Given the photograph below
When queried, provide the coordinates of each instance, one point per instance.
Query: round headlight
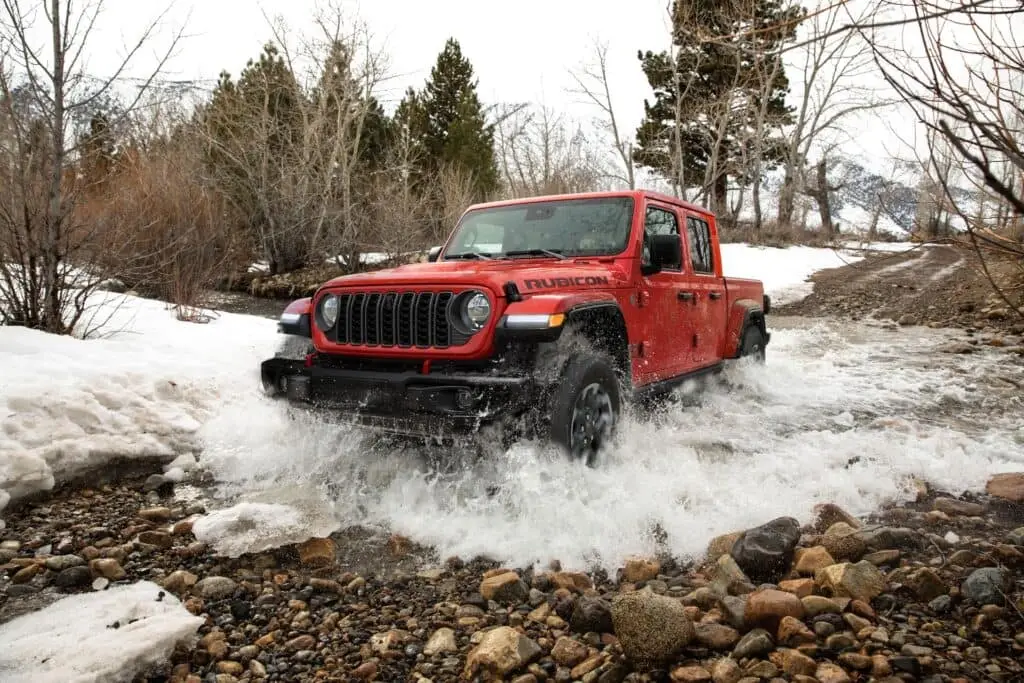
(329, 307)
(478, 309)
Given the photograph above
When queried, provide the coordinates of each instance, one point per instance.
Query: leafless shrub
(46, 99)
(541, 153)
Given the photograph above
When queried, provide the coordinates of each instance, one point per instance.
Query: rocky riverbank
(931, 590)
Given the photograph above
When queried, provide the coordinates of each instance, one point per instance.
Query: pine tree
(448, 120)
(708, 72)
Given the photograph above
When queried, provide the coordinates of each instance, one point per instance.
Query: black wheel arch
(604, 326)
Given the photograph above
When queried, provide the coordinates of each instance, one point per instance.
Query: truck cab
(541, 314)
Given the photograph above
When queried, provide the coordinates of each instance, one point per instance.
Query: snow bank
(107, 636)
(783, 271)
(142, 391)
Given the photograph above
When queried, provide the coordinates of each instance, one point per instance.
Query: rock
(160, 539)
(765, 553)
(768, 607)
(843, 542)
(365, 671)
(1016, 537)
(817, 604)
(798, 587)
(941, 604)
(754, 644)
(640, 569)
(985, 586)
(179, 581)
(26, 574)
(722, 545)
(717, 636)
(59, 563)
(883, 557)
(1008, 486)
(303, 642)
(892, 538)
(501, 651)
(568, 652)
(317, 552)
(107, 568)
(926, 584)
(954, 507)
(794, 662)
(505, 588)
(807, 561)
(591, 615)
(442, 641)
(829, 514)
(156, 514)
(727, 576)
(860, 581)
(74, 577)
(215, 588)
(830, 673)
(726, 671)
(650, 628)
(793, 632)
(689, 674)
(574, 581)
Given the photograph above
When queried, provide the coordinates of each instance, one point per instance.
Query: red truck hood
(529, 275)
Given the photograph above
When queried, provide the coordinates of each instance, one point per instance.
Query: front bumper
(398, 401)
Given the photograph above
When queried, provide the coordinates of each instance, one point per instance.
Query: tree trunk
(52, 318)
(758, 221)
(824, 205)
(787, 197)
(718, 196)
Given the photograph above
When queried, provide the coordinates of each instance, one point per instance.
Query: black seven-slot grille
(403, 319)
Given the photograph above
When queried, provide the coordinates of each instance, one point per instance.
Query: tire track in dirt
(939, 285)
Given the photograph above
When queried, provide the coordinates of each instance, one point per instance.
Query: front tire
(753, 344)
(585, 408)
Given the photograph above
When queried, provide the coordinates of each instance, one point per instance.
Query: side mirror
(433, 254)
(666, 252)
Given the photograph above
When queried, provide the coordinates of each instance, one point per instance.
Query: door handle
(685, 296)
(715, 295)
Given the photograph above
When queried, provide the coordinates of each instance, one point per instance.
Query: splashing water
(842, 412)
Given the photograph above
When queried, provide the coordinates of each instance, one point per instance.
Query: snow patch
(102, 637)
(252, 527)
(141, 392)
(784, 272)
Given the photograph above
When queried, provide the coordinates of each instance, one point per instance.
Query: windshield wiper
(468, 254)
(536, 252)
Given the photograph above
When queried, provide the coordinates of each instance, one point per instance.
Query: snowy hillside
(863, 185)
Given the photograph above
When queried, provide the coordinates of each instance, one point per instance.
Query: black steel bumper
(402, 402)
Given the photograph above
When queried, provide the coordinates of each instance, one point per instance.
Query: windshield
(562, 228)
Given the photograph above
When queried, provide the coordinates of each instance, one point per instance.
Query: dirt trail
(935, 285)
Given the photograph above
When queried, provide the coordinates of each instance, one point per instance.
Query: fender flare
(295, 319)
(743, 314)
(543, 317)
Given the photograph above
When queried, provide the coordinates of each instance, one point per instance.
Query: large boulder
(651, 628)
(501, 651)
(1008, 486)
(765, 553)
(985, 586)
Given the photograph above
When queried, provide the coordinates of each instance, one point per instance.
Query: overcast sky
(521, 51)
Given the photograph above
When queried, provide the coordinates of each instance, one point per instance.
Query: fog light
(464, 399)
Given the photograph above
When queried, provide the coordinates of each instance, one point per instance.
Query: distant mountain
(863, 185)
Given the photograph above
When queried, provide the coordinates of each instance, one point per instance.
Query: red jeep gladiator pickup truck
(542, 315)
